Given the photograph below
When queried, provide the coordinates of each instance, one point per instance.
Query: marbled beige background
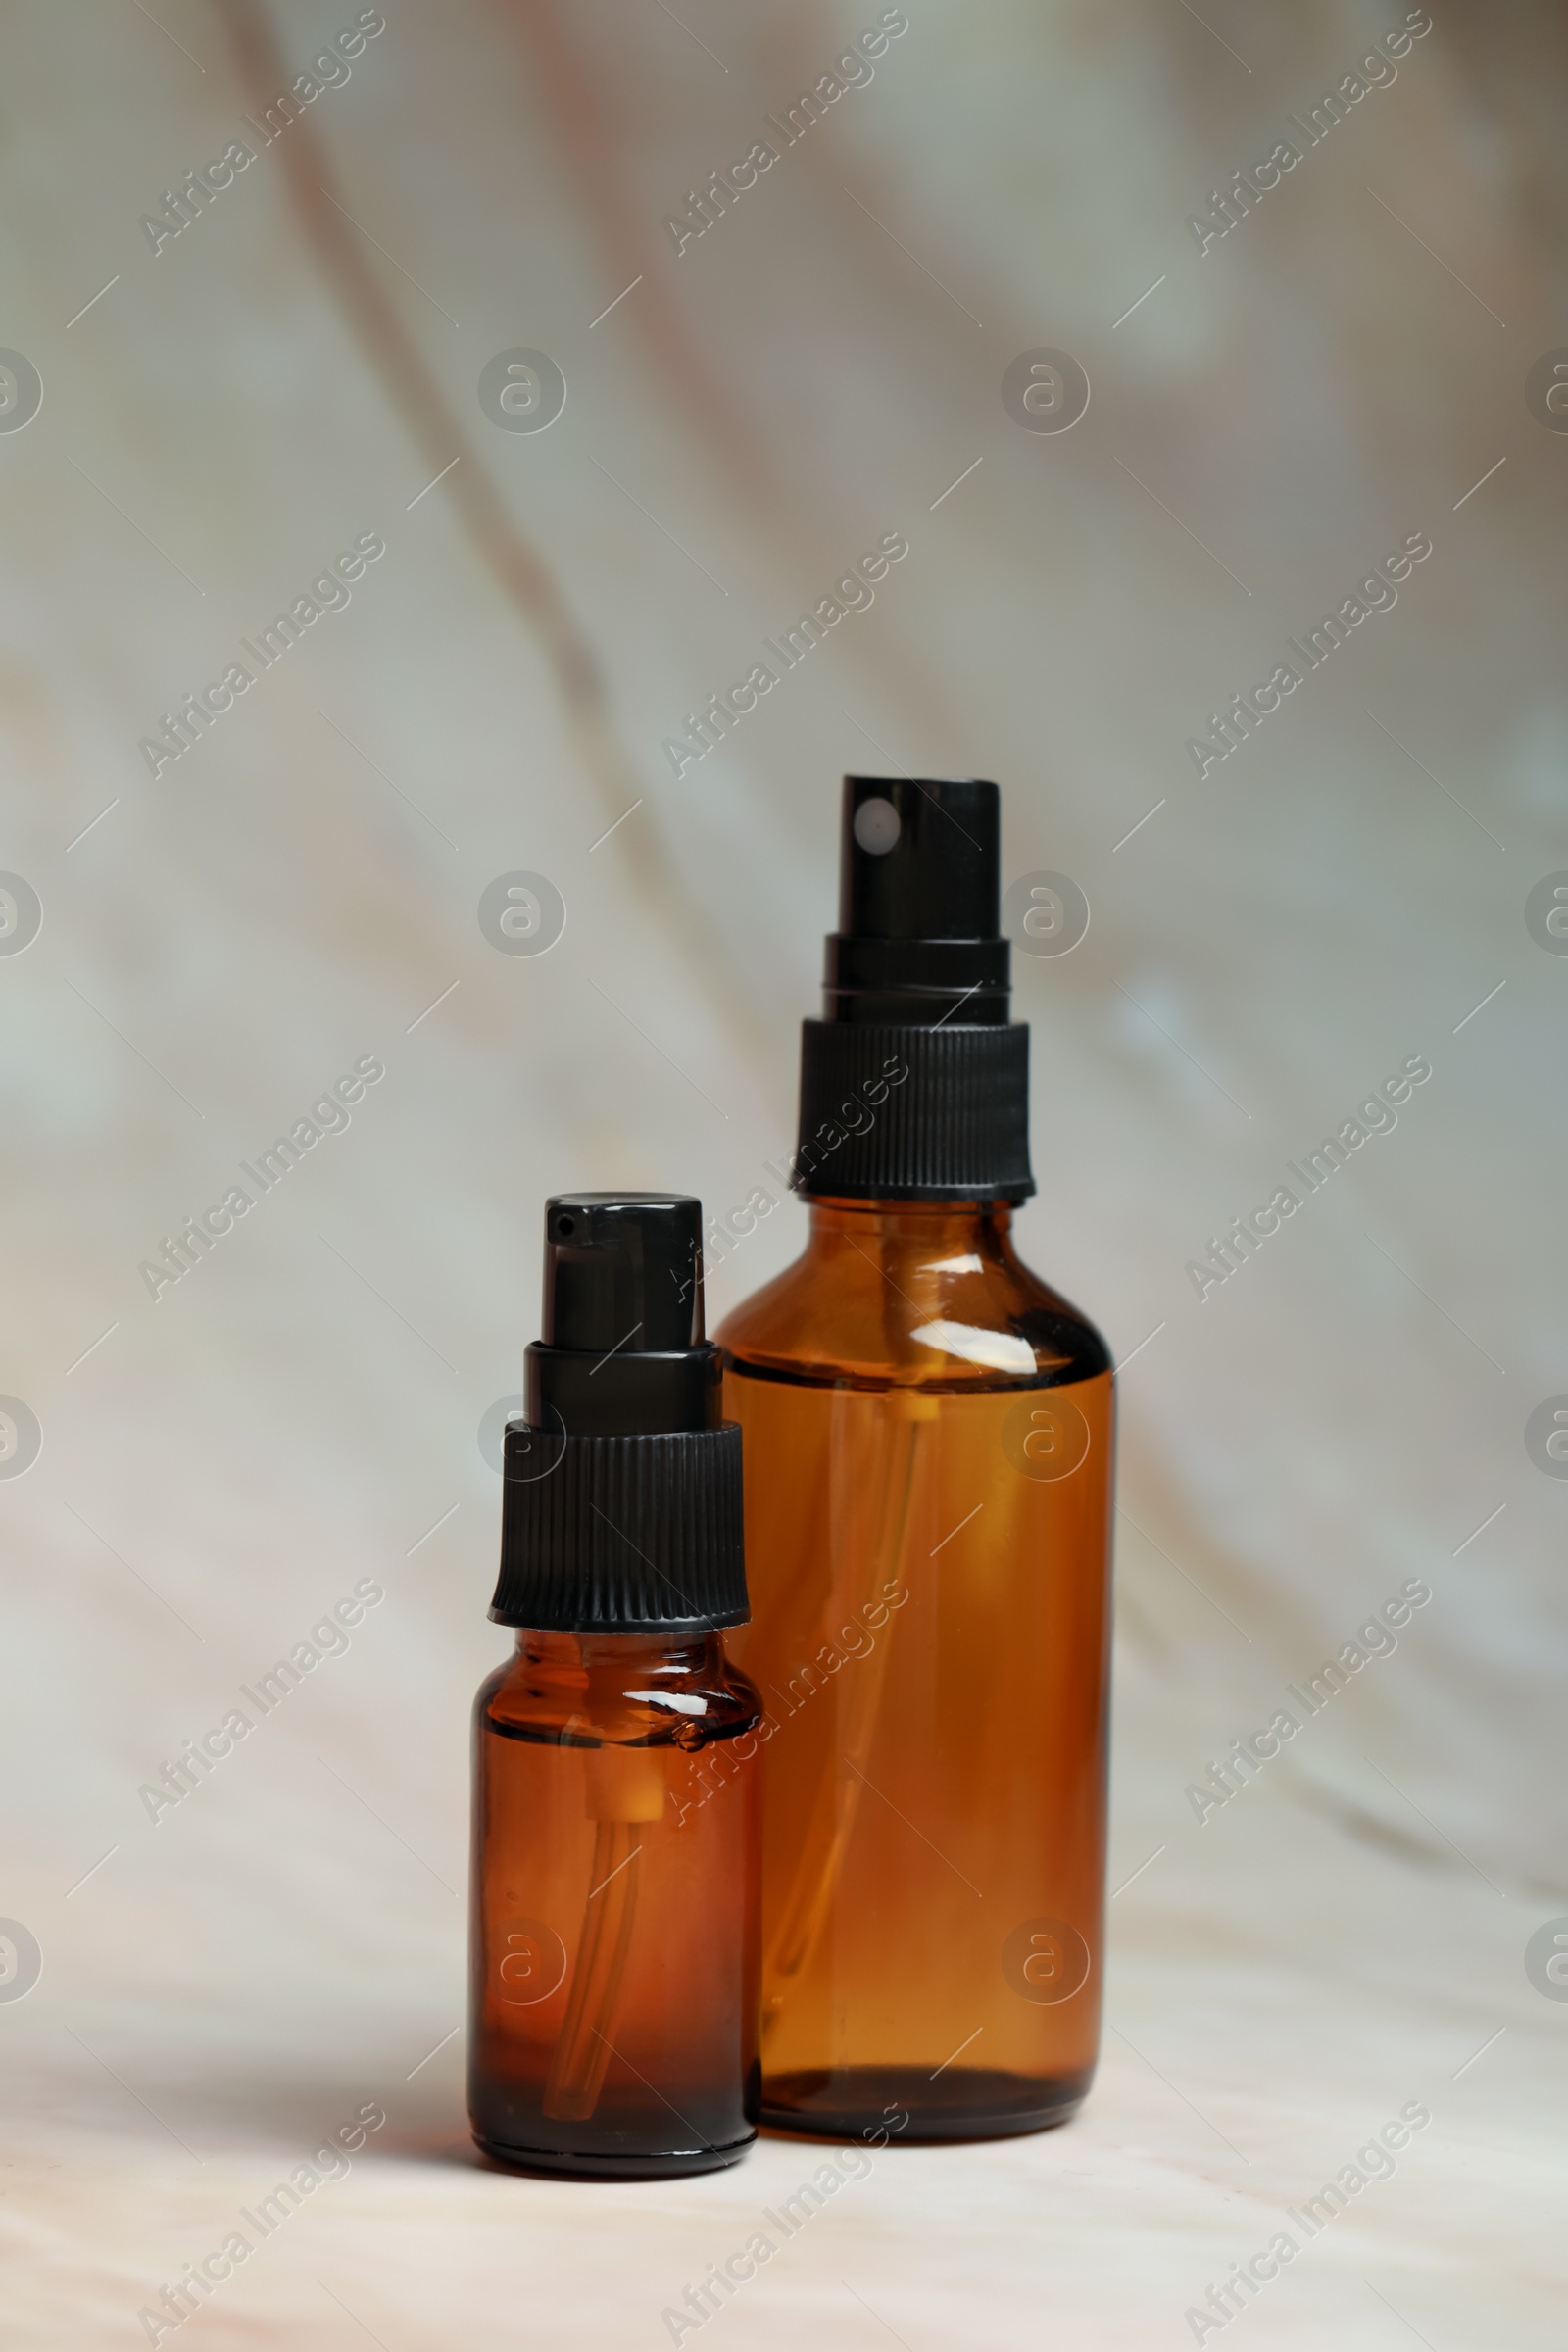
(301, 889)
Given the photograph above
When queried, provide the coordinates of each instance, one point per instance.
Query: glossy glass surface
(613, 1931)
(929, 1442)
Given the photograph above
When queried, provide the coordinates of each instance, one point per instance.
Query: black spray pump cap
(919, 936)
(622, 1509)
(914, 1084)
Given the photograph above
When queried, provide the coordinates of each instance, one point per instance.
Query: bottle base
(854, 2103)
(559, 2164)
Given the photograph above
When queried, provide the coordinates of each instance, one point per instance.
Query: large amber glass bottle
(929, 1450)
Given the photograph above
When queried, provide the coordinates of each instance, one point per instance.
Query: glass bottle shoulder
(574, 1690)
(931, 1296)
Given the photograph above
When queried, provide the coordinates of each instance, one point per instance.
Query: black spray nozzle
(919, 938)
(623, 1270)
(622, 1351)
(621, 1508)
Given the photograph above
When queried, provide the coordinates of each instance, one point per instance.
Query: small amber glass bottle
(615, 1941)
(929, 1444)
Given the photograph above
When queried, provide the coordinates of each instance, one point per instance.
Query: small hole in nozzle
(877, 826)
(565, 1228)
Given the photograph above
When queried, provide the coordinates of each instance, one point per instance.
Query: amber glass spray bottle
(929, 1440)
(613, 1954)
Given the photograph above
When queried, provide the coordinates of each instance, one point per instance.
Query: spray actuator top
(622, 1351)
(919, 938)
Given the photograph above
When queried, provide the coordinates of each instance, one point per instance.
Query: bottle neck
(592, 1654)
(939, 1229)
(920, 1249)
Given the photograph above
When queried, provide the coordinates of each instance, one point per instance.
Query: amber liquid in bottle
(928, 1433)
(613, 2023)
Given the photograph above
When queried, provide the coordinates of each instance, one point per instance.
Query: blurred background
(725, 392)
